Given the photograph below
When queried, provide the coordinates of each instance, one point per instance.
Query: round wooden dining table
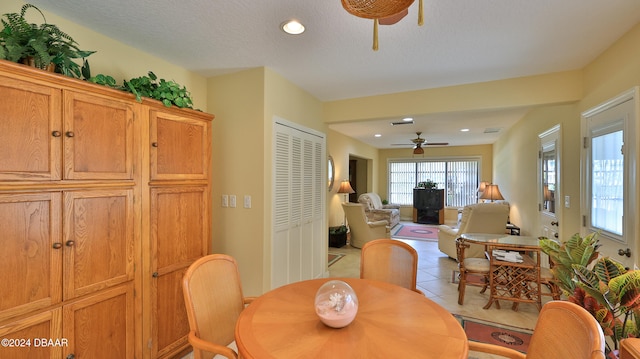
(392, 322)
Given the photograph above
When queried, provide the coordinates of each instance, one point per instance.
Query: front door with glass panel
(609, 191)
(549, 197)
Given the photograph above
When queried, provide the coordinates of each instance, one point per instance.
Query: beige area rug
(334, 257)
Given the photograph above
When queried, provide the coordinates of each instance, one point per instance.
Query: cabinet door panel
(171, 325)
(180, 234)
(27, 123)
(179, 147)
(98, 240)
(29, 263)
(102, 325)
(98, 138)
(179, 226)
(41, 326)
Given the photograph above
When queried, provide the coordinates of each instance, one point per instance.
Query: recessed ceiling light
(464, 130)
(377, 135)
(407, 119)
(292, 27)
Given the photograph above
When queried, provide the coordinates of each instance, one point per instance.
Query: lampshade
(345, 187)
(482, 187)
(546, 193)
(492, 193)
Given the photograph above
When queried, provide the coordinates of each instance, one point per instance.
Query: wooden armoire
(104, 203)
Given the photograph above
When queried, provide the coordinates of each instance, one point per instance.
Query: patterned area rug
(495, 333)
(334, 257)
(415, 231)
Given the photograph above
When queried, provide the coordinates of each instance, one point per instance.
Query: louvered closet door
(299, 202)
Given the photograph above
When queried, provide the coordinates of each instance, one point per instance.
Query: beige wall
(115, 58)
(545, 89)
(245, 104)
(238, 156)
(615, 71)
(340, 147)
(516, 160)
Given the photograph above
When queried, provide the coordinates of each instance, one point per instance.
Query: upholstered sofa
(376, 211)
(476, 218)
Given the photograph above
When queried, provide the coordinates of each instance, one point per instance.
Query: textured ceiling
(462, 41)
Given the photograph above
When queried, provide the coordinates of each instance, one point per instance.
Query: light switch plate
(232, 201)
(225, 200)
(567, 201)
(247, 201)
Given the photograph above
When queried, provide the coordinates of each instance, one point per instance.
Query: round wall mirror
(331, 172)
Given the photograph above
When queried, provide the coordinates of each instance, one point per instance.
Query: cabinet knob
(70, 243)
(57, 245)
(71, 356)
(155, 275)
(56, 133)
(69, 134)
(554, 223)
(154, 144)
(556, 235)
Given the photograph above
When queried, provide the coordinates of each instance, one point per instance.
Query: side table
(513, 281)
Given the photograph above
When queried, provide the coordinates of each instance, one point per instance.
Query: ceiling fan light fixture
(389, 11)
(418, 150)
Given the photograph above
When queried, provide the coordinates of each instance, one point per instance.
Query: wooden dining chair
(214, 300)
(391, 261)
(470, 266)
(564, 330)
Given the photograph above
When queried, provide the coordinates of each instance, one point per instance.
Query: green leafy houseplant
(168, 92)
(604, 287)
(428, 184)
(41, 45)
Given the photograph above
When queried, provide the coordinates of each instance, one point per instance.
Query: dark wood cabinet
(428, 206)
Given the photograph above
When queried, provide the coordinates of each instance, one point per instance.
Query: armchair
(376, 211)
(476, 218)
(363, 231)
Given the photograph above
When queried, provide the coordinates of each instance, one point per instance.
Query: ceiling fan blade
(393, 18)
(437, 143)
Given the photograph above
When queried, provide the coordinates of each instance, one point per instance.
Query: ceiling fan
(419, 142)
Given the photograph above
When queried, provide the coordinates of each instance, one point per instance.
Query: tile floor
(434, 279)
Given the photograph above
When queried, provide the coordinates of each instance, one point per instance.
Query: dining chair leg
(486, 284)
(461, 288)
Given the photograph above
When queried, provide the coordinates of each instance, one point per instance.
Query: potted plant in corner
(44, 46)
(603, 286)
(338, 236)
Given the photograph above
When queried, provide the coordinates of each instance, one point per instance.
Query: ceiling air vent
(492, 130)
(401, 123)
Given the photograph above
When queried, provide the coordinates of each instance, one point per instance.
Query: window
(607, 178)
(459, 179)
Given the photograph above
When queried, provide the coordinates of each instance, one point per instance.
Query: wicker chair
(466, 266)
(214, 300)
(390, 260)
(564, 331)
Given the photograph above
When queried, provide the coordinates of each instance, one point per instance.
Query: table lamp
(481, 188)
(345, 187)
(492, 193)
